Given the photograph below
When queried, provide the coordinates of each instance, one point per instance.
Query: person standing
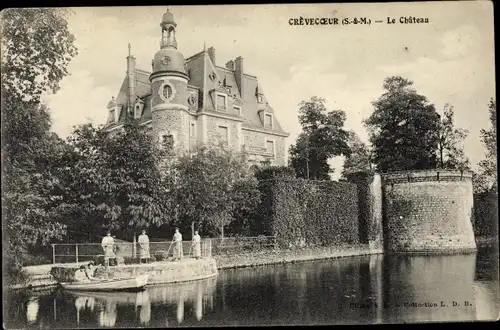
(144, 245)
(177, 245)
(196, 245)
(107, 245)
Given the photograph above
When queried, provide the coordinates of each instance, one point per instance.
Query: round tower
(428, 211)
(170, 122)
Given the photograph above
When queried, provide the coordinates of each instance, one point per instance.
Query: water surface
(371, 289)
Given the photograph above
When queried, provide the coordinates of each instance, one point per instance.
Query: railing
(130, 252)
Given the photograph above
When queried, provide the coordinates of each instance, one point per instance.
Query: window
(167, 141)
(112, 115)
(237, 110)
(223, 134)
(167, 92)
(221, 102)
(259, 98)
(192, 130)
(268, 121)
(270, 147)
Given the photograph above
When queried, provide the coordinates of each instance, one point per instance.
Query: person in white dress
(177, 245)
(144, 245)
(196, 245)
(107, 245)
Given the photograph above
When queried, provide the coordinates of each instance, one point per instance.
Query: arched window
(137, 112)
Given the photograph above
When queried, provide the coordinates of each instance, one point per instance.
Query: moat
(365, 289)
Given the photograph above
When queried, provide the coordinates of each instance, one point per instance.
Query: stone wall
(370, 208)
(428, 211)
(173, 122)
(212, 124)
(254, 141)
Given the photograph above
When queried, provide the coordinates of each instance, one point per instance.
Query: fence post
(53, 254)
(210, 247)
(76, 252)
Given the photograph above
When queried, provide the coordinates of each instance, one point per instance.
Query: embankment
(281, 256)
(40, 276)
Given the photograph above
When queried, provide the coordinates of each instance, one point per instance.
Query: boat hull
(129, 284)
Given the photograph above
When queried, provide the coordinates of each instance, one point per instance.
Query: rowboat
(122, 284)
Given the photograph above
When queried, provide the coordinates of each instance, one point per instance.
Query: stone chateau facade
(190, 102)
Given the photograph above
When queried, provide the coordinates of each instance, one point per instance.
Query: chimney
(131, 77)
(239, 74)
(230, 65)
(211, 54)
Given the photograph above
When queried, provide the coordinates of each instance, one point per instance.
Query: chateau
(189, 102)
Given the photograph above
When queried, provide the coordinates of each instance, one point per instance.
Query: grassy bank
(281, 256)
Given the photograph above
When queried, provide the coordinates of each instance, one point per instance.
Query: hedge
(309, 213)
(485, 215)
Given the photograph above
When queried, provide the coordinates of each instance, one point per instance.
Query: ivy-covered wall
(485, 215)
(309, 213)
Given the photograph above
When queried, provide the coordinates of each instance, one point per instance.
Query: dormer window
(221, 102)
(112, 115)
(260, 99)
(137, 111)
(268, 120)
(237, 109)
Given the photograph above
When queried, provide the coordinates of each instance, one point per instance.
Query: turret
(169, 87)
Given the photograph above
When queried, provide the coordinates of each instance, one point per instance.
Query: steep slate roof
(199, 79)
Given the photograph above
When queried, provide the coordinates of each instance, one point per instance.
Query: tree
(450, 142)
(403, 128)
(115, 181)
(36, 49)
(213, 186)
(30, 200)
(360, 158)
(323, 136)
(488, 166)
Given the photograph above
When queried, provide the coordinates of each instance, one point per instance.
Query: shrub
(273, 172)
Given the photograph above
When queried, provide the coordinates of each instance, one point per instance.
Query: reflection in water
(32, 310)
(108, 314)
(199, 302)
(369, 289)
(422, 288)
(142, 302)
(82, 303)
(180, 307)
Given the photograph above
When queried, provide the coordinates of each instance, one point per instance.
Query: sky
(450, 59)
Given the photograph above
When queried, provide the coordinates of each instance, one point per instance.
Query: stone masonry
(428, 211)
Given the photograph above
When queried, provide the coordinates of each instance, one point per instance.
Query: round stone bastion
(428, 211)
